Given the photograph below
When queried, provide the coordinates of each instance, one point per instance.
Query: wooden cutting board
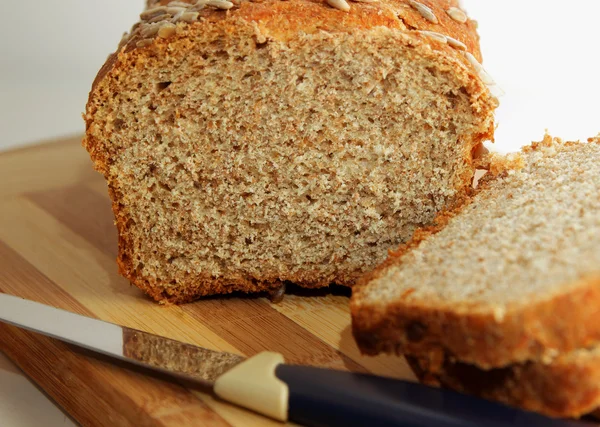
(58, 247)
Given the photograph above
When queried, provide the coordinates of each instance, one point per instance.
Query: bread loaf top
(434, 29)
(438, 24)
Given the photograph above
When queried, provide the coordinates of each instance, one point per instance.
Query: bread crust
(557, 325)
(279, 21)
(567, 387)
(537, 332)
(283, 20)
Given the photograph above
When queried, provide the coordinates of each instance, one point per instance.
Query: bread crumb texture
(539, 226)
(514, 275)
(241, 154)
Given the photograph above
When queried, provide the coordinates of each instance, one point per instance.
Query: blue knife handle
(325, 397)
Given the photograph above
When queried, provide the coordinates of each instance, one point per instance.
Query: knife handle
(318, 397)
(325, 397)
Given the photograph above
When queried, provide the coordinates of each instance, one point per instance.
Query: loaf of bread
(512, 276)
(246, 144)
(569, 386)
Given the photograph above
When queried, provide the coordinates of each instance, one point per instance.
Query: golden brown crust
(559, 324)
(283, 20)
(568, 387)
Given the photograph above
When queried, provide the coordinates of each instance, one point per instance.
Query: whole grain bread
(512, 276)
(568, 387)
(246, 144)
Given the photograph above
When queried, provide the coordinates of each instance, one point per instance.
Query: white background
(544, 54)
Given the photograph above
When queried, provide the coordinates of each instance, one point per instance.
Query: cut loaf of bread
(512, 276)
(568, 387)
(247, 144)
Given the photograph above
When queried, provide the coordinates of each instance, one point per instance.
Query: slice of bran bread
(567, 387)
(513, 276)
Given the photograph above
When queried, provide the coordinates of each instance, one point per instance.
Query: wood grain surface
(58, 247)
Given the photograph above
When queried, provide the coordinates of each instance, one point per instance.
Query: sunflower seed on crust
(151, 13)
(178, 16)
(457, 44)
(167, 30)
(149, 30)
(424, 10)
(485, 76)
(457, 14)
(176, 10)
(436, 36)
(198, 6)
(220, 4)
(365, 1)
(339, 4)
(189, 17)
(144, 43)
(158, 18)
(496, 91)
(481, 72)
(178, 4)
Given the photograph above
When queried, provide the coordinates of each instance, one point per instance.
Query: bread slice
(569, 387)
(247, 144)
(512, 276)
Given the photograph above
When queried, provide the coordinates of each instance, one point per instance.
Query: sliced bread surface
(567, 387)
(512, 276)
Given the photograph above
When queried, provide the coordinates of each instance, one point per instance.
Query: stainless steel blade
(165, 355)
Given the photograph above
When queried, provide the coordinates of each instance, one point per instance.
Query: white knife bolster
(253, 385)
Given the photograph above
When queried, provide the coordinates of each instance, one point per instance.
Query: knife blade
(265, 384)
(201, 365)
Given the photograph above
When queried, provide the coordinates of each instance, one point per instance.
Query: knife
(265, 384)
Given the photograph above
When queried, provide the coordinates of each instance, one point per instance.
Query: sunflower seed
(176, 10)
(481, 72)
(189, 17)
(457, 44)
(485, 76)
(339, 4)
(220, 4)
(158, 18)
(151, 13)
(144, 43)
(149, 30)
(457, 14)
(198, 6)
(179, 4)
(178, 16)
(496, 91)
(166, 30)
(474, 62)
(436, 36)
(425, 11)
